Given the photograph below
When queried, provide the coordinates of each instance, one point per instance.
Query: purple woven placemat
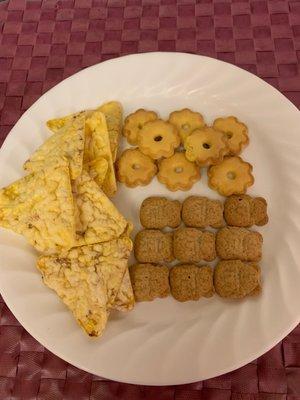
(43, 42)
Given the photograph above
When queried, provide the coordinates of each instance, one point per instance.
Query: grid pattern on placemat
(43, 42)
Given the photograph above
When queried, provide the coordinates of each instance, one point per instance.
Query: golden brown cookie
(135, 168)
(236, 133)
(235, 279)
(177, 173)
(206, 146)
(189, 282)
(158, 139)
(149, 281)
(232, 176)
(233, 243)
(244, 210)
(159, 212)
(200, 212)
(186, 121)
(134, 123)
(153, 246)
(193, 245)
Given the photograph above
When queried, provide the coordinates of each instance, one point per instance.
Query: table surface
(43, 42)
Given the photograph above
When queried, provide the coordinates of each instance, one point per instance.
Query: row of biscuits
(230, 279)
(158, 151)
(201, 212)
(194, 245)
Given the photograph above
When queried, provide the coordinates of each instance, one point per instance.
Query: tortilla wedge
(40, 207)
(67, 143)
(87, 279)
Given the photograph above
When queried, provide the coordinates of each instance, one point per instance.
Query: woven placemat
(43, 42)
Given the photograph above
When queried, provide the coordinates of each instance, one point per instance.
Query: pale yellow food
(134, 123)
(87, 279)
(97, 145)
(231, 176)
(40, 207)
(113, 112)
(236, 133)
(97, 169)
(98, 220)
(186, 121)
(158, 139)
(68, 142)
(177, 173)
(125, 298)
(56, 124)
(206, 146)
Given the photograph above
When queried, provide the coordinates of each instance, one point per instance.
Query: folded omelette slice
(87, 279)
(97, 219)
(96, 146)
(67, 143)
(40, 207)
(125, 298)
(113, 112)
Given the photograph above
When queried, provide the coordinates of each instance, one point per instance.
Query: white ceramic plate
(166, 342)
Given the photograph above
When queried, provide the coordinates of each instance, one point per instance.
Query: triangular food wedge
(97, 219)
(125, 298)
(87, 280)
(97, 145)
(40, 207)
(113, 114)
(68, 142)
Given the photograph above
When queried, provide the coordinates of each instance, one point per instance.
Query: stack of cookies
(176, 150)
(179, 237)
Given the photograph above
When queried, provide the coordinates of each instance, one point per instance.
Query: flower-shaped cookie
(134, 122)
(158, 139)
(135, 168)
(177, 173)
(232, 176)
(186, 121)
(236, 133)
(206, 146)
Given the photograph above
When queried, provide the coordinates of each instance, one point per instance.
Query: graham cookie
(206, 146)
(231, 176)
(134, 123)
(186, 121)
(135, 168)
(193, 245)
(244, 210)
(189, 282)
(200, 212)
(235, 279)
(233, 243)
(158, 139)
(153, 246)
(177, 173)
(159, 212)
(149, 281)
(236, 133)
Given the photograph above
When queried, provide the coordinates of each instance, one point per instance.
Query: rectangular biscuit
(200, 212)
(153, 246)
(234, 243)
(193, 245)
(149, 281)
(190, 282)
(159, 212)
